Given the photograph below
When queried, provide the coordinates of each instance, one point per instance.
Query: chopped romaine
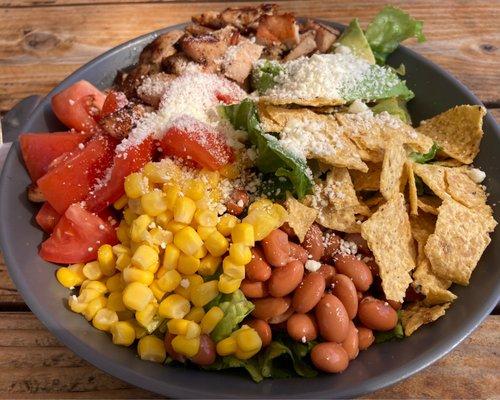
(251, 366)
(264, 75)
(296, 352)
(394, 106)
(394, 334)
(423, 158)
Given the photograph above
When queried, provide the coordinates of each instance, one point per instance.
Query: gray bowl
(380, 366)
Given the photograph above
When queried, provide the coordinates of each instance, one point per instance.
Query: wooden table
(42, 41)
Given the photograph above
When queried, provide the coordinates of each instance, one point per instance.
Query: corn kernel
(161, 172)
(228, 285)
(230, 171)
(174, 306)
(226, 346)
(151, 348)
(171, 257)
(104, 318)
(209, 265)
(226, 224)
(205, 231)
(211, 319)
(115, 283)
(247, 339)
(122, 261)
(92, 271)
(139, 226)
(195, 189)
(204, 293)
(129, 216)
(243, 233)
(94, 285)
(123, 333)
(75, 305)
(185, 346)
(139, 330)
(144, 257)
(184, 210)
(188, 240)
(169, 280)
(115, 302)
(172, 193)
(202, 252)
(145, 316)
(206, 217)
(233, 270)
(161, 237)
(94, 306)
(216, 244)
(154, 203)
(196, 314)
(135, 185)
(263, 223)
(120, 249)
(188, 282)
(66, 277)
(131, 274)
(87, 295)
(184, 327)
(77, 269)
(188, 265)
(106, 259)
(164, 218)
(245, 355)
(153, 268)
(136, 296)
(120, 203)
(210, 177)
(135, 206)
(240, 253)
(175, 227)
(158, 292)
(261, 204)
(123, 232)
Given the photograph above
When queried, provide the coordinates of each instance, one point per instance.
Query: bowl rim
(122, 372)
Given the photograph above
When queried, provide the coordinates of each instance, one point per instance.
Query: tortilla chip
(300, 217)
(313, 102)
(433, 288)
(463, 189)
(343, 220)
(460, 238)
(392, 170)
(422, 226)
(388, 233)
(369, 181)
(318, 136)
(433, 176)
(429, 204)
(374, 200)
(417, 315)
(450, 162)
(457, 131)
(412, 188)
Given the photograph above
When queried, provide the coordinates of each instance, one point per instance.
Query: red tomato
(124, 163)
(40, 149)
(77, 237)
(190, 139)
(47, 217)
(71, 180)
(114, 101)
(77, 105)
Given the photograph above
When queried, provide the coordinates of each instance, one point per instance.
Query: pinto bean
(257, 269)
(395, 304)
(361, 243)
(238, 201)
(332, 318)
(377, 314)
(332, 246)
(328, 273)
(282, 318)
(329, 357)
(285, 279)
(308, 293)
(270, 307)
(288, 230)
(302, 327)
(313, 242)
(276, 248)
(365, 337)
(297, 252)
(355, 269)
(170, 350)
(206, 354)
(254, 289)
(344, 289)
(351, 342)
(263, 329)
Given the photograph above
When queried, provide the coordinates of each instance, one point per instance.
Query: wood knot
(40, 41)
(488, 48)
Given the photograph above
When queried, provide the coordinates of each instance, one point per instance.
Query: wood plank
(49, 370)
(9, 295)
(40, 48)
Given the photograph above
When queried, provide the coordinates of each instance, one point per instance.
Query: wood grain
(40, 48)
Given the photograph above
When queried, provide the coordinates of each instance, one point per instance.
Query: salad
(253, 194)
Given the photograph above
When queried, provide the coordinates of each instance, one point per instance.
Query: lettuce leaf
(354, 38)
(272, 158)
(395, 334)
(251, 366)
(423, 158)
(390, 27)
(394, 106)
(264, 75)
(294, 352)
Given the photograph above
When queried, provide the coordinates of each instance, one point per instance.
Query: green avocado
(354, 38)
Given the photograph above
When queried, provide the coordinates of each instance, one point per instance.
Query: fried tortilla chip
(463, 189)
(300, 217)
(433, 176)
(457, 131)
(433, 288)
(422, 226)
(460, 238)
(388, 233)
(412, 188)
(429, 204)
(450, 162)
(369, 181)
(392, 170)
(418, 314)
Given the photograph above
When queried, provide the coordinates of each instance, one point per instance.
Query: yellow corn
(122, 261)
(144, 257)
(115, 283)
(211, 319)
(226, 346)
(204, 293)
(164, 218)
(119, 249)
(265, 217)
(188, 265)
(196, 314)
(77, 269)
(245, 355)
(94, 306)
(104, 318)
(233, 270)
(151, 348)
(129, 216)
(240, 253)
(154, 203)
(172, 193)
(184, 210)
(161, 172)
(135, 206)
(123, 232)
(243, 233)
(92, 271)
(131, 274)
(120, 203)
(227, 284)
(216, 244)
(158, 292)
(187, 284)
(262, 204)
(139, 227)
(135, 185)
(125, 315)
(184, 327)
(211, 178)
(188, 240)
(175, 227)
(230, 171)
(94, 285)
(169, 280)
(206, 217)
(226, 224)
(205, 231)
(136, 296)
(195, 189)
(185, 346)
(247, 339)
(115, 302)
(67, 278)
(145, 316)
(139, 330)
(209, 265)
(161, 237)
(75, 305)
(202, 252)
(106, 259)
(87, 295)
(171, 257)
(174, 306)
(123, 333)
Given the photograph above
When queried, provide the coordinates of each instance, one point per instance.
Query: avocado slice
(394, 106)
(354, 38)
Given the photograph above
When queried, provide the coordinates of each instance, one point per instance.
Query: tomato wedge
(124, 163)
(70, 181)
(40, 149)
(193, 140)
(77, 237)
(47, 217)
(114, 101)
(77, 105)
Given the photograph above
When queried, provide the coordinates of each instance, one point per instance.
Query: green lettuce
(228, 362)
(264, 75)
(354, 38)
(294, 352)
(235, 307)
(272, 158)
(423, 158)
(395, 334)
(390, 27)
(394, 106)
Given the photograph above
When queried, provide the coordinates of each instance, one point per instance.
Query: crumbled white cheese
(348, 247)
(476, 174)
(357, 107)
(185, 283)
(312, 265)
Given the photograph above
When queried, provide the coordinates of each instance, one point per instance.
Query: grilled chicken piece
(196, 30)
(276, 29)
(34, 194)
(134, 78)
(204, 48)
(325, 35)
(121, 122)
(306, 46)
(228, 34)
(210, 19)
(243, 18)
(152, 88)
(239, 59)
(160, 48)
(175, 64)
